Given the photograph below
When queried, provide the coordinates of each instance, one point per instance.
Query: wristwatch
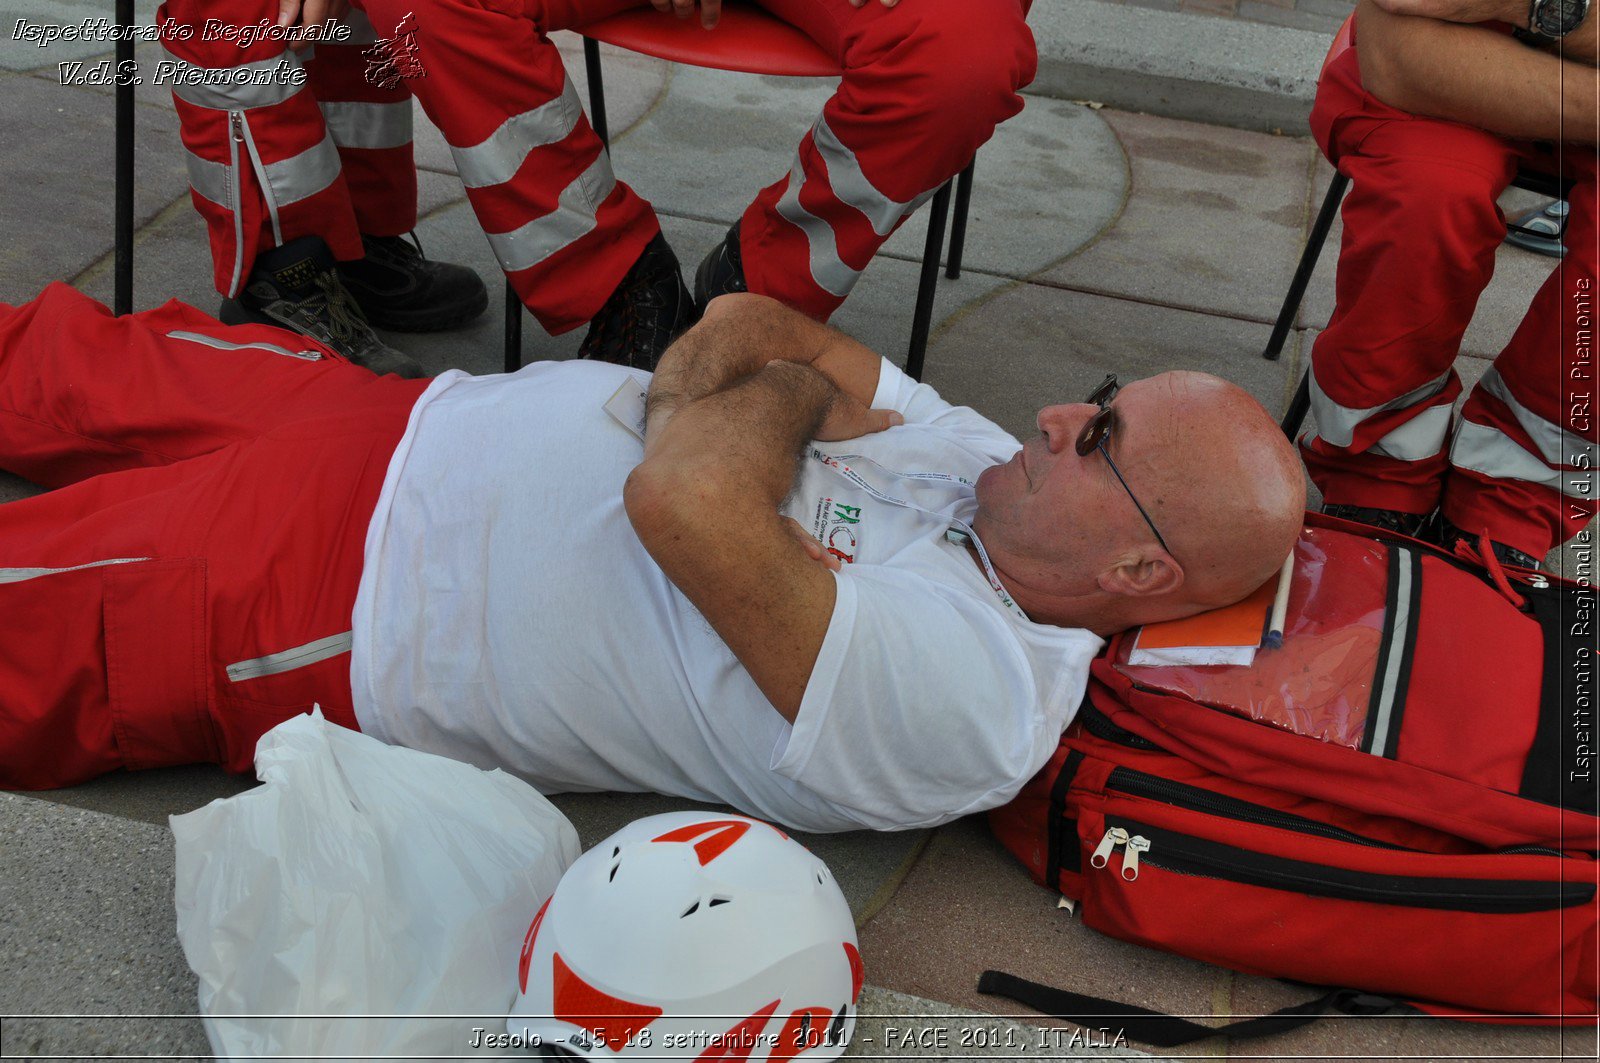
(1550, 20)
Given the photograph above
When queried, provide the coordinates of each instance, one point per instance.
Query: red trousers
(925, 83)
(188, 583)
(293, 149)
(1421, 228)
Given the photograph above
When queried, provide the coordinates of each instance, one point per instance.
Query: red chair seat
(747, 40)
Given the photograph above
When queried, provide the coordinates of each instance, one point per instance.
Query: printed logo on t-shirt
(837, 527)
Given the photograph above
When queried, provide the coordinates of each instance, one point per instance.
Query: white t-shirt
(509, 617)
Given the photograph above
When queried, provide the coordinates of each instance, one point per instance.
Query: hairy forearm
(739, 335)
(1579, 46)
(743, 440)
(1475, 76)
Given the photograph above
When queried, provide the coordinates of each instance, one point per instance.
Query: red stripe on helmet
(612, 1019)
(527, 944)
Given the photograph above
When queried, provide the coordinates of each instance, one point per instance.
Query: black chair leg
(122, 266)
(928, 284)
(513, 329)
(1299, 406)
(1308, 265)
(958, 227)
(964, 197)
(597, 90)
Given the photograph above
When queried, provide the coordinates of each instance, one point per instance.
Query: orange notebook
(1229, 635)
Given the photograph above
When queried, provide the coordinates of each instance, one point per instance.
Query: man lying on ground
(886, 631)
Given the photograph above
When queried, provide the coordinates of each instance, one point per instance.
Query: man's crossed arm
(1423, 57)
(729, 413)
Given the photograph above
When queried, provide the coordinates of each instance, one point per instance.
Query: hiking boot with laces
(297, 287)
(1447, 535)
(649, 309)
(721, 272)
(398, 287)
(1390, 520)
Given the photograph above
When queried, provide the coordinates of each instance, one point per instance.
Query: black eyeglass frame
(1097, 432)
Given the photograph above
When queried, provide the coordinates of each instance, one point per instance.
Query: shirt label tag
(626, 406)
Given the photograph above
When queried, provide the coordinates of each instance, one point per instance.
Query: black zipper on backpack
(1100, 725)
(1186, 855)
(1196, 799)
(1182, 795)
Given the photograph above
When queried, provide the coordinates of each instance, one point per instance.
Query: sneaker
(1540, 230)
(398, 288)
(650, 308)
(1447, 535)
(297, 287)
(720, 272)
(1389, 520)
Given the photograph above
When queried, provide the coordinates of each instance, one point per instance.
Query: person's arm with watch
(1427, 58)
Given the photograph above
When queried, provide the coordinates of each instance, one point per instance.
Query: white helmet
(696, 936)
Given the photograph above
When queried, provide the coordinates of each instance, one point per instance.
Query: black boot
(297, 287)
(649, 309)
(1447, 535)
(398, 288)
(1390, 520)
(721, 272)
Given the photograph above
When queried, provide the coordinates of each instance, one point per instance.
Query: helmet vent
(820, 879)
(687, 912)
(836, 1030)
(613, 876)
(718, 900)
(616, 851)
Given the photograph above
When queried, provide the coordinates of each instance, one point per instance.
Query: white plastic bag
(362, 880)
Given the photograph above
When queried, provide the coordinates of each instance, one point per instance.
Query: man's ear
(1142, 577)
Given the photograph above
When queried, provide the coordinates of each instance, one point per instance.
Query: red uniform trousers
(210, 509)
(1421, 228)
(925, 84)
(325, 155)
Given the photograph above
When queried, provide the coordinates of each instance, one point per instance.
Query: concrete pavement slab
(90, 931)
(1049, 181)
(19, 51)
(57, 213)
(1032, 345)
(894, 1024)
(1182, 65)
(1215, 222)
(15, 487)
(969, 906)
(1389, 1036)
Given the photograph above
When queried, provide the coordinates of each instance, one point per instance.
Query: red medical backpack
(1401, 800)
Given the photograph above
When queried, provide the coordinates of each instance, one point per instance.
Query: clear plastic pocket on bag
(1320, 683)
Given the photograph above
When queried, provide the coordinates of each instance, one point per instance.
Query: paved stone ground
(1100, 240)
(1321, 16)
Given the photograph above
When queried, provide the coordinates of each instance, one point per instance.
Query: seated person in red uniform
(301, 167)
(547, 572)
(925, 83)
(1431, 112)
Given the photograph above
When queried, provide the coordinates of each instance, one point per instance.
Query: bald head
(1214, 474)
(1227, 483)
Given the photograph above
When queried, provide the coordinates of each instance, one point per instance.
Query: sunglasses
(1097, 433)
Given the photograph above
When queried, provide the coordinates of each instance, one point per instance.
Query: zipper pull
(1130, 857)
(236, 125)
(1114, 837)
